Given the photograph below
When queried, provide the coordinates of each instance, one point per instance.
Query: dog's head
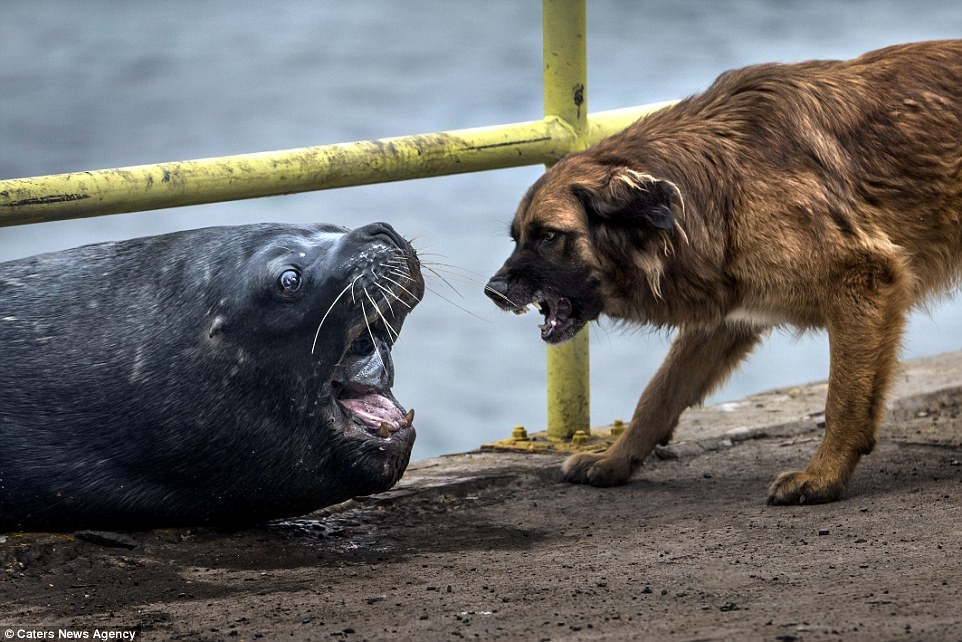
(590, 238)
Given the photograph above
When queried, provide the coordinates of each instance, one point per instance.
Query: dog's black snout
(497, 290)
(380, 231)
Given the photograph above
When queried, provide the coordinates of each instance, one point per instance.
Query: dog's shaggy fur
(825, 194)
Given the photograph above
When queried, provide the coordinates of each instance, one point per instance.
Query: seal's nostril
(380, 232)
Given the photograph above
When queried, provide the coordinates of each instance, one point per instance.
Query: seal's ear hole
(216, 327)
(289, 281)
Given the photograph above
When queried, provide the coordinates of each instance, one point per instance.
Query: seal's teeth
(384, 431)
(409, 418)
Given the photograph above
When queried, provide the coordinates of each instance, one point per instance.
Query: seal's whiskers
(448, 272)
(444, 272)
(390, 329)
(403, 275)
(370, 333)
(456, 271)
(387, 278)
(443, 280)
(349, 286)
(389, 291)
(390, 306)
(455, 304)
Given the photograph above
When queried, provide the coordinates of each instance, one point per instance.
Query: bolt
(617, 427)
(519, 434)
(580, 438)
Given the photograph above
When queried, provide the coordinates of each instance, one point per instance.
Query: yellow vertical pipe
(565, 73)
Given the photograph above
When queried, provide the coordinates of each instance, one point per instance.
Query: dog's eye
(548, 236)
(289, 281)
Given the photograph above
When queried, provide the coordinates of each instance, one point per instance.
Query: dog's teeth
(384, 431)
(536, 306)
(520, 310)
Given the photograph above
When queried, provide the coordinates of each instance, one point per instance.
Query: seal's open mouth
(378, 410)
(383, 285)
(362, 385)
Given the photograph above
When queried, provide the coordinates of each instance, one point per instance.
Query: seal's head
(222, 375)
(326, 308)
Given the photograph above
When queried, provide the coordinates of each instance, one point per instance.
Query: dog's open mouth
(362, 385)
(558, 323)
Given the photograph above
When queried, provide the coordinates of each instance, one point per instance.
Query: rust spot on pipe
(46, 200)
(508, 143)
(579, 97)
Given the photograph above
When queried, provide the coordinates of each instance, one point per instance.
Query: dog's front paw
(803, 487)
(596, 469)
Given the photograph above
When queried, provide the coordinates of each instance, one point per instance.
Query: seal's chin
(362, 390)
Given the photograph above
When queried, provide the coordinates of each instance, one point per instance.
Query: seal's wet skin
(217, 376)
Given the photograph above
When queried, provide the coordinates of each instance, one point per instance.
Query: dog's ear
(628, 196)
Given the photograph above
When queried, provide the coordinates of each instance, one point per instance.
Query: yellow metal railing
(565, 76)
(148, 187)
(566, 127)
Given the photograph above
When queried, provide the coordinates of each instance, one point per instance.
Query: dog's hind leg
(866, 316)
(699, 360)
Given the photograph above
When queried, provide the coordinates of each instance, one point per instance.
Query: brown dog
(821, 194)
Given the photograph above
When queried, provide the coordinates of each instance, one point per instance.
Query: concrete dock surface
(493, 546)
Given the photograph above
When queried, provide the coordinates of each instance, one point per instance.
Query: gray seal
(226, 375)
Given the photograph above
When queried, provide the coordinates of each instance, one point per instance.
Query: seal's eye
(289, 281)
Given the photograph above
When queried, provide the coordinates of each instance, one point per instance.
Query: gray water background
(89, 84)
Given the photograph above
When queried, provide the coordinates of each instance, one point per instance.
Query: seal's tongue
(363, 382)
(374, 410)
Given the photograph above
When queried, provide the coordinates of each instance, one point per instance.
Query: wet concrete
(490, 545)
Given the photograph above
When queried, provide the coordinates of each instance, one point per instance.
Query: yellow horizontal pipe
(146, 187)
(605, 123)
(193, 182)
